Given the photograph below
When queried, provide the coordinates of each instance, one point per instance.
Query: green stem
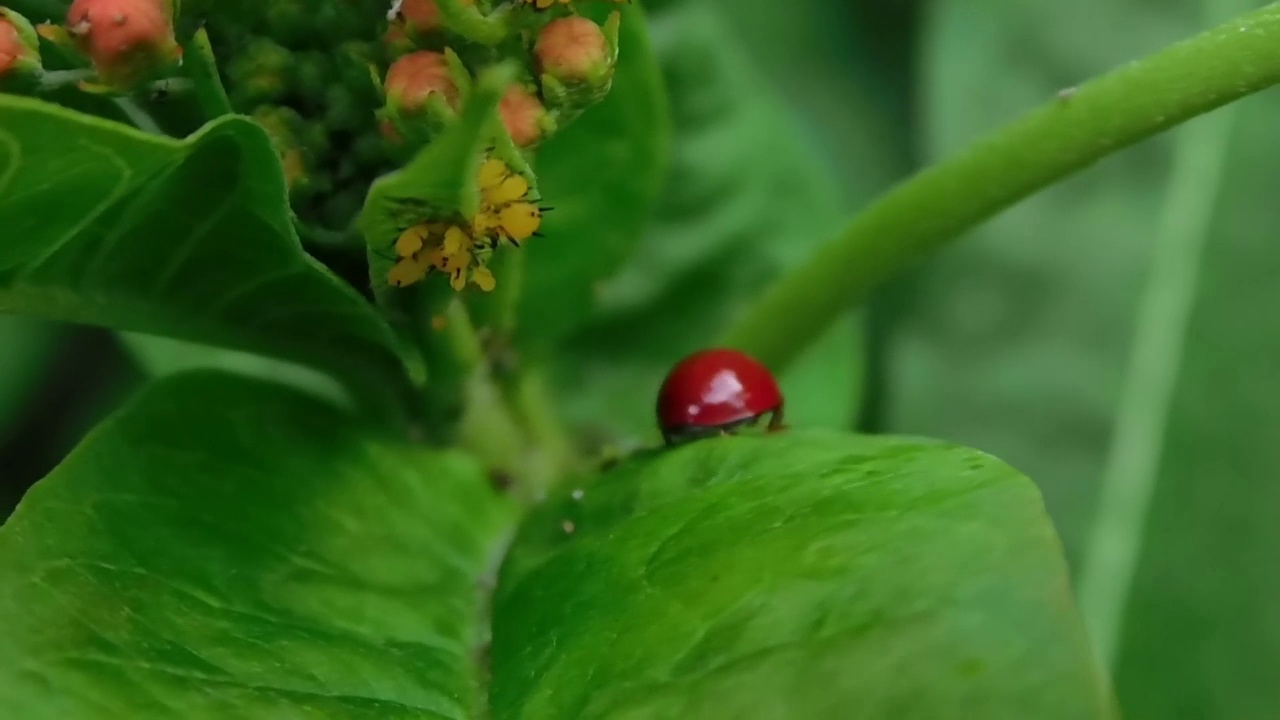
(1068, 133)
(51, 80)
(464, 404)
(553, 455)
(473, 24)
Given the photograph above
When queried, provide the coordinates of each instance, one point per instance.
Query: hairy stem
(1070, 132)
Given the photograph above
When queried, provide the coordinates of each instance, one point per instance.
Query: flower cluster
(548, 4)
(461, 249)
(572, 67)
(348, 90)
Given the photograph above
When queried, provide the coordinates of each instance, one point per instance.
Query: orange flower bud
(421, 16)
(522, 114)
(572, 49)
(126, 40)
(19, 45)
(412, 79)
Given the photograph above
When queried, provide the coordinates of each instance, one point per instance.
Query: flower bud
(19, 46)
(523, 115)
(416, 18)
(420, 16)
(414, 77)
(572, 49)
(260, 72)
(126, 40)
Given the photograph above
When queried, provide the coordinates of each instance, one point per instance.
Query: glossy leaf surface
(227, 548)
(189, 239)
(810, 575)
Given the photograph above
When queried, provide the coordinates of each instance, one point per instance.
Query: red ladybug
(715, 392)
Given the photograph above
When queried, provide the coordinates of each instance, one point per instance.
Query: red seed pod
(715, 392)
(572, 49)
(126, 40)
(414, 77)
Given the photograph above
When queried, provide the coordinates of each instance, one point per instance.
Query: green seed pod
(313, 73)
(261, 72)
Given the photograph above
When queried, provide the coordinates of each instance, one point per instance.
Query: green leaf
(1103, 336)
(189, 239)
(28, 345)
(811, 575)
(160, 357)
(228, 548)
(601, 175)
(745, 197)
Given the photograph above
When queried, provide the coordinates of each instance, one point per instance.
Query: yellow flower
(484, 279)
(408, 271)
(412, 240)
(461, 249)
(505, 212)
(519, 221)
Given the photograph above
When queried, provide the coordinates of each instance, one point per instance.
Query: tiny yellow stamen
(455, 241)
(411, 240)
(492, 173)
(407, 272)
(507, 191)
(483, 278)
(520, 220)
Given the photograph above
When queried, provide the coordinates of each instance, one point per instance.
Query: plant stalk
(1070, 132)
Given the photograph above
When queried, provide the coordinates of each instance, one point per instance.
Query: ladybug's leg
(775, 421)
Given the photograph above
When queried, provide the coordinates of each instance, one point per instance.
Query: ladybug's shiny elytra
(715, 392)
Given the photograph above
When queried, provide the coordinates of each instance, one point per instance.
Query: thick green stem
(464, 405)
(1072, 131)
(552, 455)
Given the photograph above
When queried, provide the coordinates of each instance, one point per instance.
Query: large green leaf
(811, 575)
(189, 239)
(602, 175)
(1103, 337)
(228, 548)
(745, 197)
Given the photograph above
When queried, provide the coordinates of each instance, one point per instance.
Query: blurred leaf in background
(1110, 338)
(26, 347)
(747, 194)
(56, 382)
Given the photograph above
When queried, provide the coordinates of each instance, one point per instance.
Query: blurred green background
(1112, 337)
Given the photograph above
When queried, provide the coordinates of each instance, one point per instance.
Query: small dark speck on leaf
(972, 668)
(501, 480)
